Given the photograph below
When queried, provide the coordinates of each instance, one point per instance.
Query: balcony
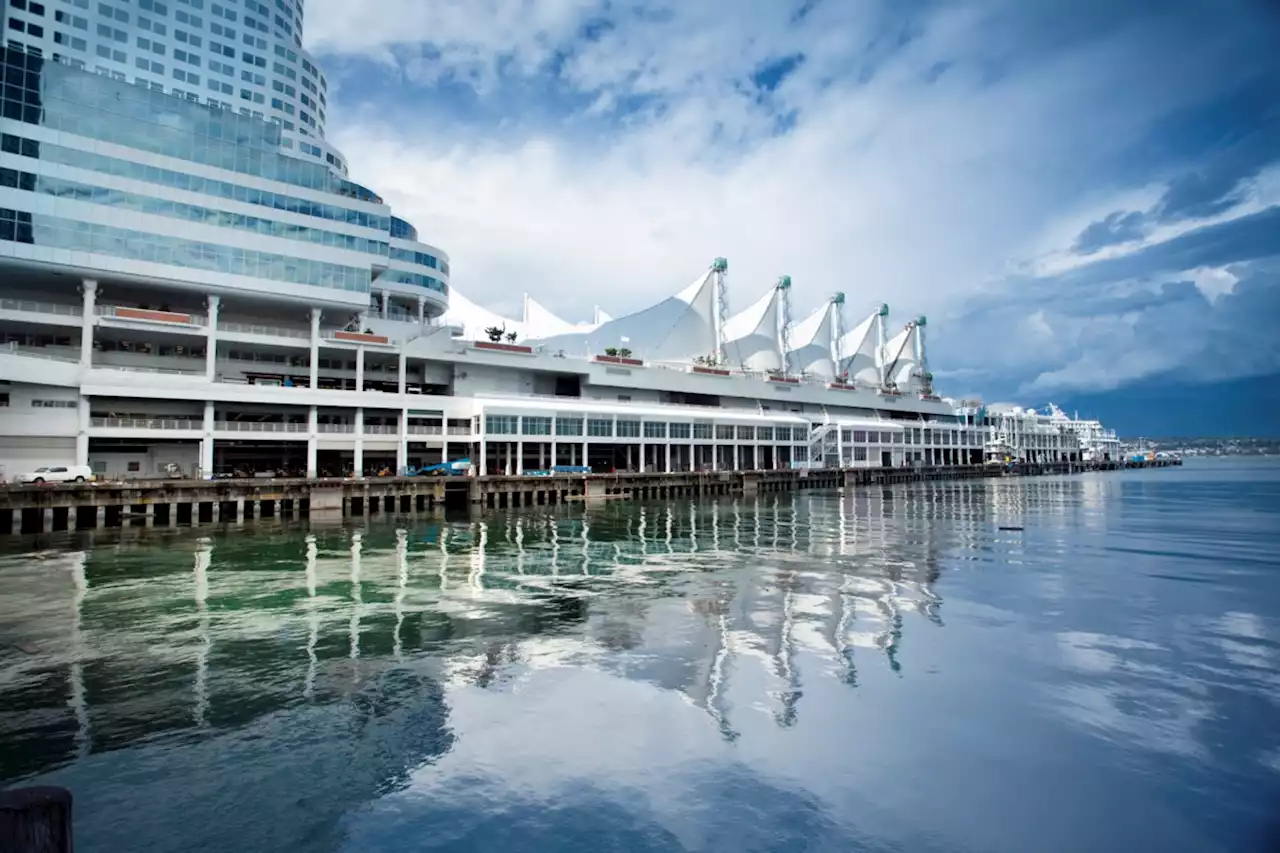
(145, 423)
(425, 429)
(36, 352)
(340, 429)
(28, 306)
(460, 430)
(259, 426)
(380, 429)
(264, 331)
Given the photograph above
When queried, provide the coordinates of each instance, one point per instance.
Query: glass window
(724, 433)
(764, 433)
(746, 433)
(859, 454)
(628, 429)
(500, 424)
(535, 425)
(679, 430)
(602, 427)
(702, 432)
(655, 429)
(569, 426)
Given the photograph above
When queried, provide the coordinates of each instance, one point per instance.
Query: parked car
(57, 474)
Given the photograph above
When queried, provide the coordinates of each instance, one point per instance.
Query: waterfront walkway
(85, 506)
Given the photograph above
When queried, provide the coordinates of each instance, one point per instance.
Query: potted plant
(495, 334)
(612, 352)
(511, 337)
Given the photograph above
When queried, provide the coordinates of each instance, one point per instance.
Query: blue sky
(1080, 195)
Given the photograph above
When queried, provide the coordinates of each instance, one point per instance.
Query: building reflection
(144, 634)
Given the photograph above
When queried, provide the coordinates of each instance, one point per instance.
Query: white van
(57, 474)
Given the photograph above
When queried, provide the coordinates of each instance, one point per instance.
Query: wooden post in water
(35, 820)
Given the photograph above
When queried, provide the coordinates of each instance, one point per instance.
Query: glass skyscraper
(183, 141)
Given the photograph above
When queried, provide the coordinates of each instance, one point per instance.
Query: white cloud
(887, 187)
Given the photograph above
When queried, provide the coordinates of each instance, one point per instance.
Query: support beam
(82, 431)
(313, 427)
(206, 443)
(315, 348)
(358, 457)
(89, 288)
(360, 370)
(211, 346)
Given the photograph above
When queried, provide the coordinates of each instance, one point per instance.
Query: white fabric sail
(753, 338)
(859, 361)
(474, 319)
(900, 359)
(811, 343)
(678, 328)
(601, 316)
(541, 323)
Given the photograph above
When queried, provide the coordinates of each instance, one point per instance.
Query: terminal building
(190, 284)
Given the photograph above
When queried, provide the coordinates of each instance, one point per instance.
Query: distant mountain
(1166, 406)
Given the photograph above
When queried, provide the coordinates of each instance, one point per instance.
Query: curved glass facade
(115, 164)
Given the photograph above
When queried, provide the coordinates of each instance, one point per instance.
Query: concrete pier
(162, 503)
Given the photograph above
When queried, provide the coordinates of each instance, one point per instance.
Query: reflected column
(402, 586)
(79, 701)
(313, 618)
(203, 557)
(357, 539)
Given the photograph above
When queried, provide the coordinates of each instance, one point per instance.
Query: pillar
(553, 455)
(404, 363)
(735, 457)
(585, 458)
(206, 443)
(519, 458)
(313, 427)
(315, 348)
(386, 298)
(402, 442)
(482, 468)
(82, 431)
(88, 287)
(422, 311)
(357, 462)
(643, 457)
(360, 369)
(211, 348)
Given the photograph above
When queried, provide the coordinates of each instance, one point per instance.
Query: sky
(1079, 195)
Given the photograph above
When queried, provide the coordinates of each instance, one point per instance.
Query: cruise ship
(191, 285)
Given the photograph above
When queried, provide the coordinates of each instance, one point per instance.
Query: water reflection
(349, 657)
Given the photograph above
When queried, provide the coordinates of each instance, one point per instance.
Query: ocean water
(878, 670)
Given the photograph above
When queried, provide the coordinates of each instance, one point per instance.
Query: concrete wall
(116, 466)
(19, 454)
(22, 418)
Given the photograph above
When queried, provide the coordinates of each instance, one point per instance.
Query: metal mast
(720, 268)
(784, 320)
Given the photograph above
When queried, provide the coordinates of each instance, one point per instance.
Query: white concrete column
(211, 347)
(519, 458)
(313, 429)
(385, 300)
(668, 466)
(643, 457)
(89, 288)
(315, 348)
(482, 468)
(553, 454)
(357, 461)
(206, 443)
(585, 457)
(692, 464)
(404, 363)
(82, 431)
(359, 368)
(402, 443)
(422, 311)
(735, 457)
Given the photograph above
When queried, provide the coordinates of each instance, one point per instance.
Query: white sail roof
(753, 338)
(859, 361)
(811, 341)
(900, 358)
(474, 319)
(541, 323)
(678, 328)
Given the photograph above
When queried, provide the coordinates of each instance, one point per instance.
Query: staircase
(824, 446)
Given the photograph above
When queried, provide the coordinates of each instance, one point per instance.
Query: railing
(270, 331)
(41, 307)
(338, 428)
(423, 429)
(145, 423)
(459, 430)
(258, 426)
(172, 371)
(28, 352)
(380, 429)
(150, 315)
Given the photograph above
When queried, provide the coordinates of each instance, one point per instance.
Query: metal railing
(269, 331)
(425, 429)
(380, 429)
(145, 423)
(41, 307)
(29, 352)
(459, 430)
(339, 428)
(172, 371)
(258, 426)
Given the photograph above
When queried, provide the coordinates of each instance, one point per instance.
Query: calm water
(879, 670)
